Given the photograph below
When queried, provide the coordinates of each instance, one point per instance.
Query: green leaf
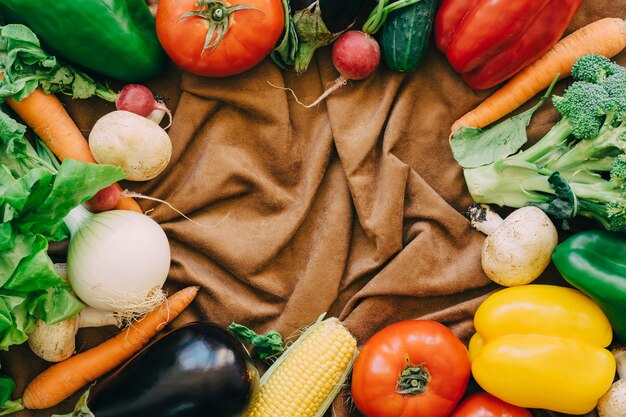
(27, 66)
(565, 205)
(81, 409)
(312, 34)
(44, 152)
(7, 236)
(22, 323)
(284, 54)
(473, 147)
(7, 385)
(75, 183)
(16, 153)
(28, 192)
(266, 346)
(36, 272)
(56, 304)
(24, 245)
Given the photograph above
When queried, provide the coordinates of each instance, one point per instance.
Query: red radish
(356, 56)
(105, 199)
(138, 99)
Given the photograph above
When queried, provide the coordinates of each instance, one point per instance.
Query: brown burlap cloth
(351, 208)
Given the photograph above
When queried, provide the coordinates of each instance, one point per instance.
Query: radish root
(133, 194)
(160, 105)
(338, 83)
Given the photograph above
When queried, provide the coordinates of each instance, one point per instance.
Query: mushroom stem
(483, 218)
(92, 317)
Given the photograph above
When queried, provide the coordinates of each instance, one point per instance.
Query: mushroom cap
(518, 251)
(613, 403)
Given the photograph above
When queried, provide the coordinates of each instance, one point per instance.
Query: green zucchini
(405, 35)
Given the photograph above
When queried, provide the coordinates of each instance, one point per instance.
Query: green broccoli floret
(585, 105)
(594, 69)
(616, 215)
(615, 85)
(579, 167)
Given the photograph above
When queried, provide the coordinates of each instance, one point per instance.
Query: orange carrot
(65, 378)
(45, 114)
(603, 37)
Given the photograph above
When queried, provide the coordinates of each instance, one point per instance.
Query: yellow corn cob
(307, 377)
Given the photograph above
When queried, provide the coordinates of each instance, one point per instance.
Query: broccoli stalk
(579, 167)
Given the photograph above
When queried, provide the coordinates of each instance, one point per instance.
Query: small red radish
(105, 199)
(356, 56)
(138, 99)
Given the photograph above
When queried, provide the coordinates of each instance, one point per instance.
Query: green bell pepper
(594, 261)
(115, 38)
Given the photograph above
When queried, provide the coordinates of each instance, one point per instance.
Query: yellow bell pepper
(542, 346)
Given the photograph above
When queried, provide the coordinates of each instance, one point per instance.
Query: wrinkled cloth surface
(353, 207)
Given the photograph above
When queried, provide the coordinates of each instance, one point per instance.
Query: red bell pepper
(489, 41)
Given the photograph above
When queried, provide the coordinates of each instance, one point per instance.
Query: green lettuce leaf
(14, 310)
(56, 304)
(27, 66)
(75, 183)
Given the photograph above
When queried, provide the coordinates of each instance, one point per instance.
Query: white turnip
(136, 144)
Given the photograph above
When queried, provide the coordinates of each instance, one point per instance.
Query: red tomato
(250, 34)
(486, 405)
(400, 349)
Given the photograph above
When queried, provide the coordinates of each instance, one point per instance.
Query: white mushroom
(517, 249)
(613, 403)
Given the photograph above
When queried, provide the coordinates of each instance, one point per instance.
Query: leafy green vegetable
(27, 66)
(7, 385)
(284, 54)
(36, 193)
(474, 147)
(578, 168)
(266, 346)
(565, 204)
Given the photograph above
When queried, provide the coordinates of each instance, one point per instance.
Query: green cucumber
(405, 35)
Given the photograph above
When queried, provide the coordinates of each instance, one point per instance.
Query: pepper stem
(217, 17)
(413, 379)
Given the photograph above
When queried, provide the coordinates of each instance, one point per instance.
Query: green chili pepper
(116, 38)
(594, 261)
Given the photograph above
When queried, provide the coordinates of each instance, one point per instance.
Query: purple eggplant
(197, 370)
(318, 23)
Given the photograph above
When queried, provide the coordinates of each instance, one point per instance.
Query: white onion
(117, 260)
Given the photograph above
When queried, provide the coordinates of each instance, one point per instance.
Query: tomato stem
(413, 379)
(217, 16)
